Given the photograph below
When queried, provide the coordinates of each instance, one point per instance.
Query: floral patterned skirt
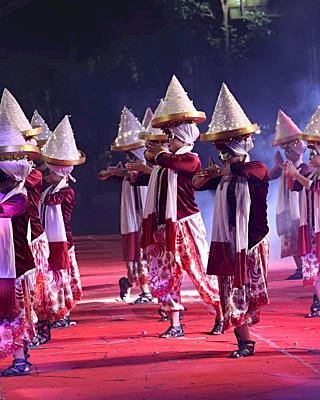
(13, 332)
(310, 266)
(60, 290)
(167, 268)
(242, 305)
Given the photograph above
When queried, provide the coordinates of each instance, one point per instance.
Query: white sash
(51, 215)
(131, 213)
(220, 229)
(172, 188)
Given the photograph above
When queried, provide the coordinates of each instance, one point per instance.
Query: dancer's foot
(124, 286)
(19, 367)
(246, 349)
(217, 328)
(63, 323)
(315, 308)
(295, 276)
(173, 332)
(144, 298)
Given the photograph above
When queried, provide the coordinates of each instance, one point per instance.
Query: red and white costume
(39, 247)
(309, 229)
(16, 324)
(56, 211)
(173, 230)
(239, 248)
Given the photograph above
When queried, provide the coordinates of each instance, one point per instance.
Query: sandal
(315, 308)
(19, 367)
(172, 332)
(124, 285)
(63, 323)
(144, 298)
(217, 328)
(295, 276)
(43, 336)
(246, 349)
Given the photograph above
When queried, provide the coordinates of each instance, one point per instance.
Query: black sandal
(315, 308)
(144, 298)
(19, 367)
(246, 349)
(217, 328)
(63, 323)
(124, 285)
(172, 332)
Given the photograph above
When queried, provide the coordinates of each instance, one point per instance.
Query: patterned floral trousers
(242, 305)
(61, 290)
(311, 267)
(13, 332)
(167, 268)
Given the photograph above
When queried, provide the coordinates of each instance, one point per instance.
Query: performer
(132, 204)
(288, 214)
(61, 154)
(16, 324)
(173, 230)
(239, 248)
(37, 278)
(309, 186)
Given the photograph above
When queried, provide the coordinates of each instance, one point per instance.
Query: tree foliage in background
(233, 39)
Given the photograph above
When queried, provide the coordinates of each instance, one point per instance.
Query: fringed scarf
(229, 247)
(132, 203)
(287, 205)
(150, 214)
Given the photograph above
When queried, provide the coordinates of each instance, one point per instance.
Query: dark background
(89, 58)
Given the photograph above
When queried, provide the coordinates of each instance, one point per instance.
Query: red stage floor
(114, 351)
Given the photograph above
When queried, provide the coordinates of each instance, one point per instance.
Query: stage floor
(114, 351)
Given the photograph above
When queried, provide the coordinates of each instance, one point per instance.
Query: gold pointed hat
(177, 108)
(228, 121)
(36, 121)
(151, 133)
(61, 148)
(312, 130)
(12, 144)
(17, 115)
(128, 133)
(286, 130)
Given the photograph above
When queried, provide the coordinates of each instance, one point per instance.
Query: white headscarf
(61, 170)
(298, 146)
(139, 153)
(241, 147)
(16, 169)
(187, 133)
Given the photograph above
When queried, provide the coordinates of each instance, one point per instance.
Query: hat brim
(41, 142)
(309, 138)
(229, 135)
(285, 140)
(35, 131)
(157, 137)
(165, 121)
(128, 147)
(58, 161)
(19, 152)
